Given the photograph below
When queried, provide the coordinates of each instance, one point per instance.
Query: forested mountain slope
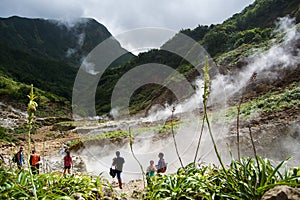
(47, 53)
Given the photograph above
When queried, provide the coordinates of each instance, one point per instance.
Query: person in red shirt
(68, 163)
(34, 162)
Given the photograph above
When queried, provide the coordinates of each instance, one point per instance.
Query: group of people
(161, 166)
(116, 169)
(118, 162)
(35, 159)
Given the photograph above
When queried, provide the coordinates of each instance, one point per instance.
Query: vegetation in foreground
(18, 185)
(243, 179)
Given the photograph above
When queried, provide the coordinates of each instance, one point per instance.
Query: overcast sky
(123, 15)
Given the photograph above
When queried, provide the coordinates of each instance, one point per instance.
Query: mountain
(48, 53)
(228, 43)
(52, 39)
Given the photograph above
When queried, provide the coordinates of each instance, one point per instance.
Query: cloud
(42, 9)
(121, 16)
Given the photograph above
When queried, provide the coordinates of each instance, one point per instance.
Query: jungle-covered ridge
(47, 53)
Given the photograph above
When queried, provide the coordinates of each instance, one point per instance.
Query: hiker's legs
(33, 170)
(119, 179)
(65, 169)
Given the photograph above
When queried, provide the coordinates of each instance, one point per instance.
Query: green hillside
(227, 43)
(47, 53)
(52, 39)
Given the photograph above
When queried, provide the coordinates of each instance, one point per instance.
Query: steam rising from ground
(266, 64)
(147, 147)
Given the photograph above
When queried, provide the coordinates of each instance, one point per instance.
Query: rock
(107, 191)
(136, 194)
(62, 127)
(282, 193)
(77, 196)
(94, 194)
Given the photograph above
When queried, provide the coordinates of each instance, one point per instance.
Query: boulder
(77, 196)
(62, 127)
(282, 193)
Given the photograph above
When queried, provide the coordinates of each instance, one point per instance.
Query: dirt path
(131, 190)
(48, 142)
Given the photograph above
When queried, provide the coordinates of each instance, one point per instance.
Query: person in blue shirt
(20, 158)
(161, 165)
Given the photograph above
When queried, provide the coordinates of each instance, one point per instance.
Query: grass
(5, 136)
(243, 181)
(268, 103)
(121, 134)
(15, 93)
(17, 185)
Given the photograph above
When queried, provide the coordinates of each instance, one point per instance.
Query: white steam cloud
(89, 67)
(266, 64)
(98, 158)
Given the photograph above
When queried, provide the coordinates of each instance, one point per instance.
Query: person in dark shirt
(20, 158)
(118, 164)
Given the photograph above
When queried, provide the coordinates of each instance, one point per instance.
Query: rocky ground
(50, 142)
(268, 130)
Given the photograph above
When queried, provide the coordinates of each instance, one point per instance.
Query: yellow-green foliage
(270, 102)
(15, 185)
(244, 180)
(161, 129)
(15, 93)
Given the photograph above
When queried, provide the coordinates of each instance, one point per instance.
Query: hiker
(150, 171)
(161, 166)
(1, 159)
(68, 163)
(19, 158)
(118, 164)
(35, 162)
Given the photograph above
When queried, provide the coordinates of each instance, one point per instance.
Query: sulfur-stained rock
(282, 193)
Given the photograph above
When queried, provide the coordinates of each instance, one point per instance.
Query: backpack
(162, 166)
(112, 172)
(15, 158)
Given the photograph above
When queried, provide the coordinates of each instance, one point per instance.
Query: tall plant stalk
(174, 140)
(254, 149)
(31, 109)
(199, 140)
(133, 154)
(206, 93)
(252, 78)
(238, 127)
